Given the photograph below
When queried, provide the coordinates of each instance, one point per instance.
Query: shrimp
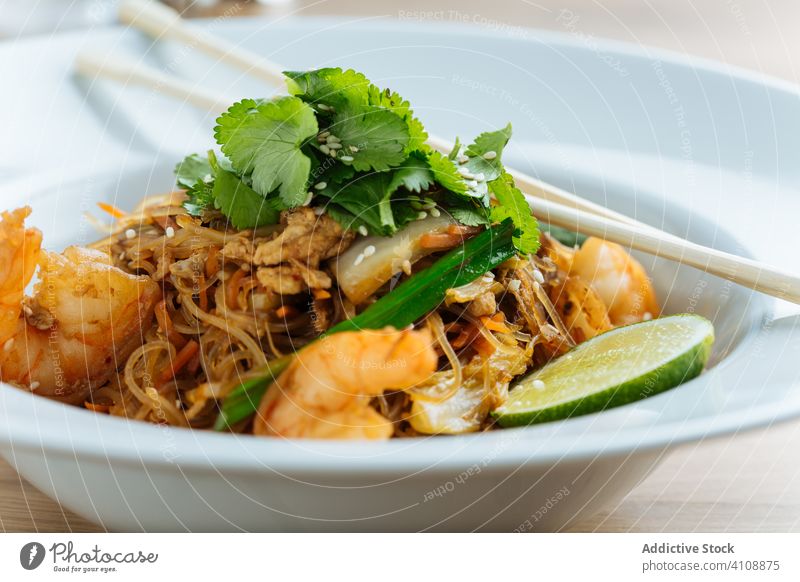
(326, 390)
(619, 280)
(583, 312)
(82, 322)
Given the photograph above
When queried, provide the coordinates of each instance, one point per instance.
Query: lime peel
(618, 367)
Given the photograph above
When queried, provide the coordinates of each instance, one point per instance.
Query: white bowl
(135, 476)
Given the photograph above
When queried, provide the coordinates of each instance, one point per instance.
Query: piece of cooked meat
(292, 279)
(483, 304)
(306, 237)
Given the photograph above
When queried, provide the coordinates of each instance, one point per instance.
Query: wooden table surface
(747, 482)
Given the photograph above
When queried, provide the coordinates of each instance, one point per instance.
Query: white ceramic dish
(680, 144)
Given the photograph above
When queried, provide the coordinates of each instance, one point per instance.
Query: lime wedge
(620, 366)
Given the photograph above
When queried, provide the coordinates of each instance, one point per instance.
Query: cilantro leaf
(414, 175)
(490, 141)
(192, 169)
(341, 90)
(347, 220)
(263, 139)
(402, 108)
(199, 198)
(195, 175)
(374, 138)
(368, 197)
(244, 207)
(467, 211)
(446, 173)
(512, 204)
(330, 87)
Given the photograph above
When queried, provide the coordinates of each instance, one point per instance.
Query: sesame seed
(324, 134)
(130, 233)
(325, 149)
(406, 267)
(422, 215)
(464, 172)
(307, 201)
(353, 149)
(359, 260)
(27, 310)
(333, 153)
(35, 385)
(362, 230)
(480, 177)
(369, 251)
(472, 184)
(647, 316)
(514, 285)
(537, 274)
(346, 158)
(462, 159)
(429, 205)
(490, 155)
(323, 107)
(486, 279)
(320, 185)
(319, 211)
(170, 232)
(334, 145)
(8, 345)
(333, 139)
(539, 385)
(435, 212)
(208, 178)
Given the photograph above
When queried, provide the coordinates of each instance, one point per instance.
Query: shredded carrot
(439, 241)
(232, 294)
(194, 363)
(212, 262)
(466, 337)
(496, 323)
(182, 358)
(463, 230)
(97, 407)
(165, 325)
(320, 294)
(203, 295)
(286, 311)
(483, 346)
(112, 210)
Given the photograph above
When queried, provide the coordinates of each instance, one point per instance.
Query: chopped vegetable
(358, 278)
(422, 292)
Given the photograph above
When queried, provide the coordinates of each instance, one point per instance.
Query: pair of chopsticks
(549, 203)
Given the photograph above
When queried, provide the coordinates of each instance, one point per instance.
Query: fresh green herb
(195, 175)
(340, 137)
(512, 204)
(264, 140)
(244, 207)
(374, 138)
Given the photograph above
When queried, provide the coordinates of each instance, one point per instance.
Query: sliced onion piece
(361, 270)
